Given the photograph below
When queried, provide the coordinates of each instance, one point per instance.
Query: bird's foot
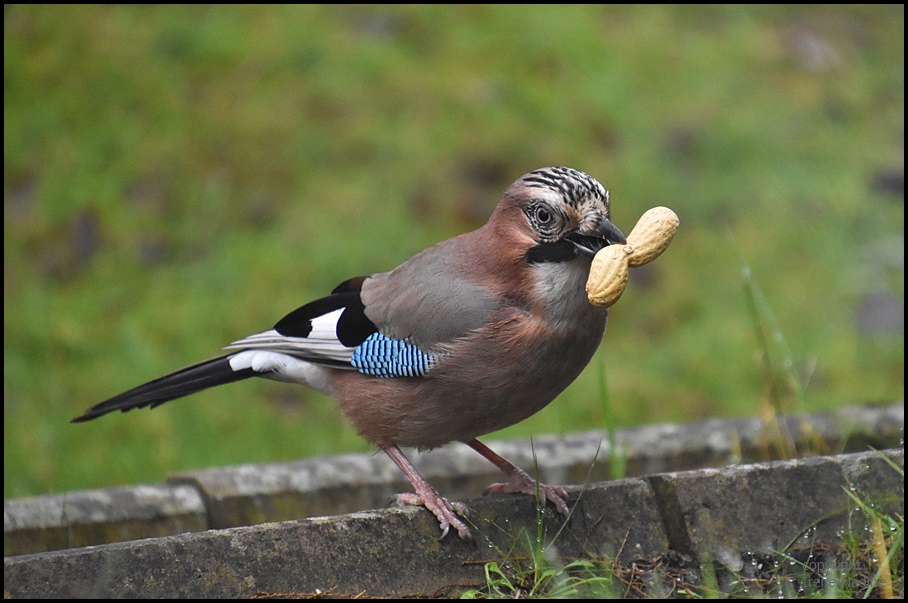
(444, 510)
(521, 483)
(426, 496)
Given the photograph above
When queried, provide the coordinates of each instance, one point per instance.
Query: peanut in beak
(649, 238)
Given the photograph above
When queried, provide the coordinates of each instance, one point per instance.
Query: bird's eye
(543, 215)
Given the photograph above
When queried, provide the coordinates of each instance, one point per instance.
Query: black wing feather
(183, 382)
(353, 327)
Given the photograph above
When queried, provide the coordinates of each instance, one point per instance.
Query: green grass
(176, 177)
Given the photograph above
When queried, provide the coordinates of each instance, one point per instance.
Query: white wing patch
(321, 344)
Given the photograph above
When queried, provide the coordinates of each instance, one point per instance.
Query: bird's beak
(588, 243)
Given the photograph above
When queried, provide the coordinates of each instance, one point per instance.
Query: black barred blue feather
(381, 356)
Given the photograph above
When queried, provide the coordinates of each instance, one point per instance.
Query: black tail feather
(183, 382)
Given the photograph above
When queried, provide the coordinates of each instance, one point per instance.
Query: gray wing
(431, 298)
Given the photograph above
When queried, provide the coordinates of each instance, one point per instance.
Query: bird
(469, 336)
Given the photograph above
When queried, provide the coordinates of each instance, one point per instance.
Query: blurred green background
(177, 177)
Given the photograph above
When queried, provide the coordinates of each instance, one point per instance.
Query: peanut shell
(652, 235)
(608, 275)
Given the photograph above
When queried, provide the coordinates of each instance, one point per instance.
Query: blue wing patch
(381, 356)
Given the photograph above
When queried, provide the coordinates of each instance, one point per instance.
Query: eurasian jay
(469, 336)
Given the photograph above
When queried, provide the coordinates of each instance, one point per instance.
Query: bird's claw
(446, 512)
(522, 483)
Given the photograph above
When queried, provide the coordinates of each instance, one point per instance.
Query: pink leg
(519, 481)
(428, 497)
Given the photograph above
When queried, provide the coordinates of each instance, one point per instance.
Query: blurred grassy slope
(177, 177)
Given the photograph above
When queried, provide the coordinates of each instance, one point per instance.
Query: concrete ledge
(769, 507)
(704, 514)
(253, 494)
(87, 517)
(386, 553)
(250, 494)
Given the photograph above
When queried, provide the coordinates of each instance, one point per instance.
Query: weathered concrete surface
(87, 517)
(250, 494)
(712, 513)
(768, 507)
(382, 553)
